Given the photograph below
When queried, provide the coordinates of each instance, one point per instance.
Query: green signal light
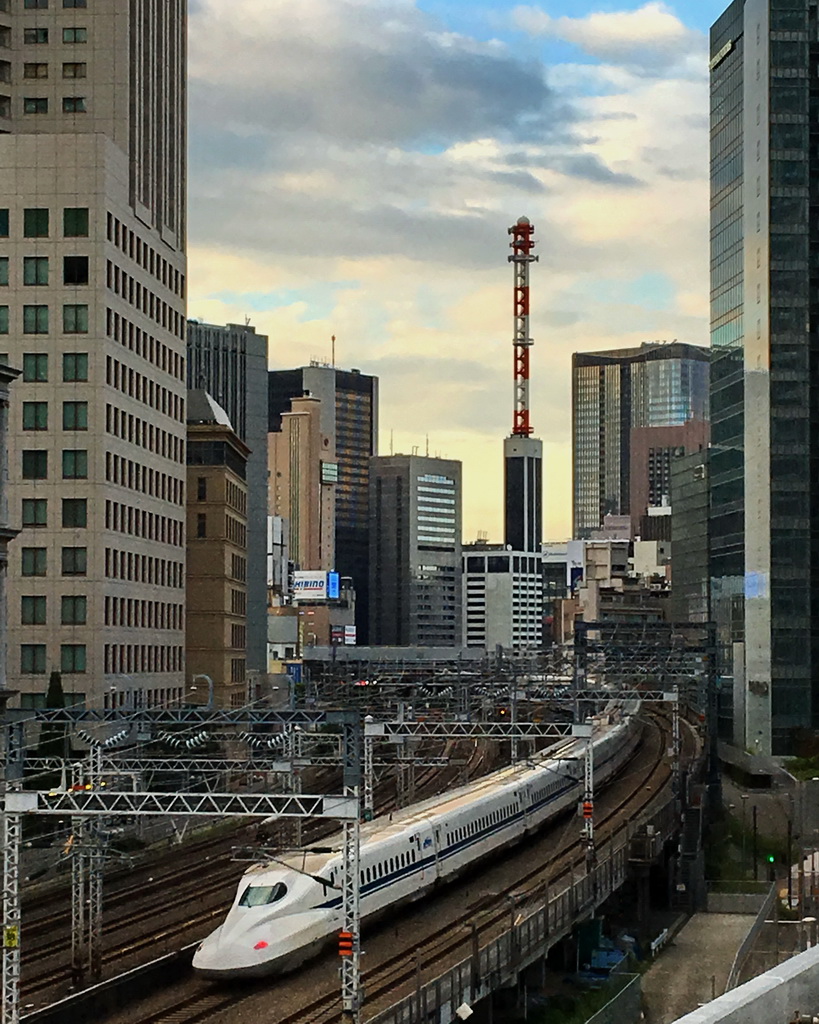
(771, 858)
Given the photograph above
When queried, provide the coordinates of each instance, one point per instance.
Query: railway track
(452, 940)
(46, 967)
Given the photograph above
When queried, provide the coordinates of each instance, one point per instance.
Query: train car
(285, 912)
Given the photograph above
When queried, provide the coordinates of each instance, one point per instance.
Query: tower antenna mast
(522, 255)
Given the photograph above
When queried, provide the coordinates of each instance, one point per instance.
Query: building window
(74, 611)
(75, 35)
(75, 222)
(35, 319)
(33, 659)
(5, 104)
(33, 611)
(201, 488)
(74, 3)
(75, 270)
(4, 319)
(75, 464)
(35, 36)
(33, 562)
(35, 223)
(35, 367)
(35, 270)
(75, 561)
(35, 512)
(74, 105)
(4, 270)
(75, 366)
(72, 658)
(5, 70)
(201, 525)
(35, 465)
(75, 415)
(73, 69)
(35, 71)
(75, 319)
(35, 105)
(75, 512)
(38, 5)
(35, 415)
(4, 223)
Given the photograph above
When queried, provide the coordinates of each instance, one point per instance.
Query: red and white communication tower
(522, 246)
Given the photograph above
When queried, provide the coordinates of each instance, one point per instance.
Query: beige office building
(303, 477)
(92, 310)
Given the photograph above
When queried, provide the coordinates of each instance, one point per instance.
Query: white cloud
(652, 35)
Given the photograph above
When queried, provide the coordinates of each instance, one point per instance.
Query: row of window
(238, 638)
(143, 434)
(138, 614)
(74, 464)
(36, 270)
(145, 479)
(34, 561)
(145, 255)
(37, 222)
(35, 366)
(43, 5)
(238, 602)
(33, 659)
(144, 389)
(36, 319)
(70, 35)
(34, 610)
(144, 344)
(130, 565)
(35, 415)
(71, 69)
(159, 698)
(147, 302)
(238, 568)
(138, 522)
(39, 105)
(127, 658)
(74, 513)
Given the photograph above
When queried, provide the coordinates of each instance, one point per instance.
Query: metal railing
(623, 1008)
(750, 938)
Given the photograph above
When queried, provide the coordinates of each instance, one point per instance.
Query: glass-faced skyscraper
(764, 477)
(633, 410)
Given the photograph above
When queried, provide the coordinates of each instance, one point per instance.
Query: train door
(437, 846)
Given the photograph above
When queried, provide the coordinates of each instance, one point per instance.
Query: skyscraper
(415, 551)
(633, 410)
(230, 363)
(349, 420)
(92, 258)
(764, 484)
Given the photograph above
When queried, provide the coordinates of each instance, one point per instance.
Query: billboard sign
(309, 586)
(333, 586)
(349, 636)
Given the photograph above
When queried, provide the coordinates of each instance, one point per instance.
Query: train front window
(262, 895)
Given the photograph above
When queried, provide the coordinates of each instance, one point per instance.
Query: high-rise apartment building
(92, 306)
(230, 363)
(633, 410)
(415, 551)
(503, 598)
(349, 419)
(764, 484)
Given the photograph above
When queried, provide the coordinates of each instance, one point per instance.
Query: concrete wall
(734, 902)
(772, 997)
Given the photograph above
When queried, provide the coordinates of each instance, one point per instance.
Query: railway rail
(449, 941)
(208, 885)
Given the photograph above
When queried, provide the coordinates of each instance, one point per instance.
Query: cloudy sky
(355, 165)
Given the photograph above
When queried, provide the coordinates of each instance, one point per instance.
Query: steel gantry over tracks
(95, 804)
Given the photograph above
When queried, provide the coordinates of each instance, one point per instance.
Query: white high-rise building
(92, 276)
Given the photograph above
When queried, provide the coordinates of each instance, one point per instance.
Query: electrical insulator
(345, 943)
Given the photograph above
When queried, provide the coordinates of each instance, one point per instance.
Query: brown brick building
(216, 593)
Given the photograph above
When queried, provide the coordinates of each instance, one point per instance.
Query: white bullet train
(285, 912)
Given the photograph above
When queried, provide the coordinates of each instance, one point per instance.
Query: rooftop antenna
(392, 432)
(247, 320)
(333, 350)
(427, 445)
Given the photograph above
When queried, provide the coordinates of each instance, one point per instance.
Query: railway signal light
(345, 943)
(588, 810)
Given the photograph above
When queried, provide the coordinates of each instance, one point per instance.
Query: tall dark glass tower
(764, 466)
